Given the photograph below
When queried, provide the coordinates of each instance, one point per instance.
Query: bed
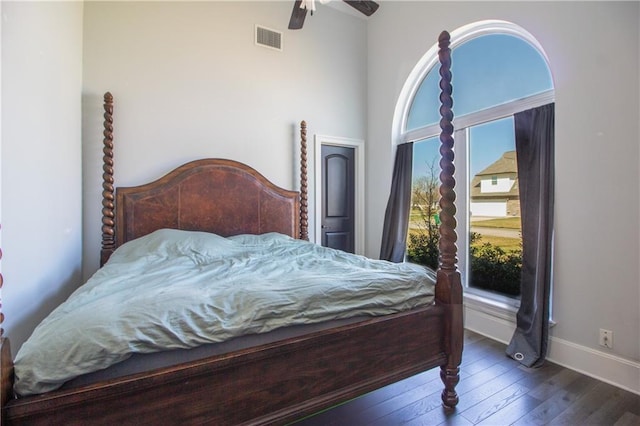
(287, 376)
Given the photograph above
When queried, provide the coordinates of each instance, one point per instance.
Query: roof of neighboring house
(505, 164)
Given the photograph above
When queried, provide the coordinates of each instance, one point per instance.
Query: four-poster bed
(274, 381)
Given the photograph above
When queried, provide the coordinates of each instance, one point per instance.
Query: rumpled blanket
(180, 289)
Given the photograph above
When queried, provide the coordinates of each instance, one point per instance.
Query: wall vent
(268, 38)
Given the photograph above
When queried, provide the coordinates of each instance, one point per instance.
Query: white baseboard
(600, 365)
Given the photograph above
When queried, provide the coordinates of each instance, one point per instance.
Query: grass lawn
(504, 222)
(416, 216)
(505, 243)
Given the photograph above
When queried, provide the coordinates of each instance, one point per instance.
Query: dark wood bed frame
(273, 383)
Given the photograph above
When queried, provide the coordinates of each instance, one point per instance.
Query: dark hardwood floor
(493, 390)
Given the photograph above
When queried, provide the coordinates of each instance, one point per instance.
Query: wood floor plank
(635, 403)
(554, 404)
(534, 377)
(628, 419)
(512, 412)
(365, 402)
(415, 398)
(584, 406)
(611, 409)
(554, 383)
(472, 395)
(452, 420)
(494, 390)
(471, 337)
(482, 361)
(429, 406)
(496, 402)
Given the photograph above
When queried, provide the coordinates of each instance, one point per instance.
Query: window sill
(495, 305)
(502, 307)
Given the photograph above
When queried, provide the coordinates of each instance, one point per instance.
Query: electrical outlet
(606, 338)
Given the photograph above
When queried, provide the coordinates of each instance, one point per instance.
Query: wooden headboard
(221, 196)
(213, 195)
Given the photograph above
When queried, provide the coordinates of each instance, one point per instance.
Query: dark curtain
(396, 217)
(534, 133)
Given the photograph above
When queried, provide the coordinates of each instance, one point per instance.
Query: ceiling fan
(300, 8)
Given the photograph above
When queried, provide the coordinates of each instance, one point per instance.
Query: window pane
(495, 69)
(422, 246)
(495, 252)
(488, 70)
(425, 108)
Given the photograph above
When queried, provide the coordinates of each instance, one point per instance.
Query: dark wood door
(338, 197)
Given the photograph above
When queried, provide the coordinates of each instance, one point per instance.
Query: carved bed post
(449, 289)
(108, 206)
(6, 361)
(304, 216)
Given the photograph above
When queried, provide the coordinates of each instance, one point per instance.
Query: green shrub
(423, 248)
(494, 269)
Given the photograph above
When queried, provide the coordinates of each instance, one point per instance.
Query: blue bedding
(180, 289)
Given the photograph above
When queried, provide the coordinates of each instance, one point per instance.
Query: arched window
(498, 70)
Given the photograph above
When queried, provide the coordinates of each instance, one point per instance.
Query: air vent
(268, 38)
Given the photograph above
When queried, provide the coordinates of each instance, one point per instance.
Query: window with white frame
(498, 70)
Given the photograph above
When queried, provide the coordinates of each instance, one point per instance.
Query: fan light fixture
(311, 4)
(300, 8)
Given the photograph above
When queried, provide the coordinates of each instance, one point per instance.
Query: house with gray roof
(494, 190)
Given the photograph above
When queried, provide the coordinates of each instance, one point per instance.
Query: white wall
(189, 82)
(593, 48)
(41, 169)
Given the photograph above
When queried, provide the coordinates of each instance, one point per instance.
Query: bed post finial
(304, 196)
(449, 287)
(108, 206)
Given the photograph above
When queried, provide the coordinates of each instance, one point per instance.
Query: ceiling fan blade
(297, 16)
(367, 7)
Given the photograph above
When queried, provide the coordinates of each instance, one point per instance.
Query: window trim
(462, 126)
(483, 116)
(430, 59)
(494, 304)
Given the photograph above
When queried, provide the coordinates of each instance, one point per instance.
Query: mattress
(141, 362)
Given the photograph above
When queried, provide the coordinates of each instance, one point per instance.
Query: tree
(423, 235)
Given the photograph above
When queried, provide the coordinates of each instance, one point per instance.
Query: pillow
(164, 243)
(259, 239)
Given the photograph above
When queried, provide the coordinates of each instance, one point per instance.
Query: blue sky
(487, 71)
(488, 142)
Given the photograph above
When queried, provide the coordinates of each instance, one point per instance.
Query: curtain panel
(396, 217)
(534, 134)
